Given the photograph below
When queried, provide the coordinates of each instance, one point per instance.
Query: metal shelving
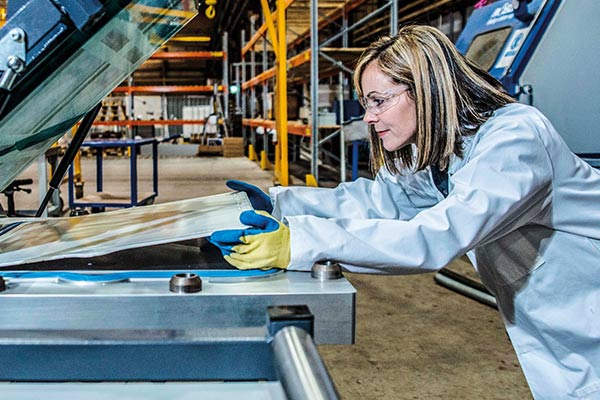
(297, 68)
(129, 91)
(345, 23)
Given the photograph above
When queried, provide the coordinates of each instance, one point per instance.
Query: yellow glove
(265, 244)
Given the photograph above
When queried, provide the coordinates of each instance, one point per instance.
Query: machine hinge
(12, 57)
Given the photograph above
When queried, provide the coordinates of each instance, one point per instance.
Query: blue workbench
(100, 200)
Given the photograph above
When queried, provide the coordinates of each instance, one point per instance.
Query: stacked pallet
(210, 150)
(233, 147)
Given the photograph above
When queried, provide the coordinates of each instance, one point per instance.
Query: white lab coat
(521, 205)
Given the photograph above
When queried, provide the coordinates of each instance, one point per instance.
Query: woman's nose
(369, 117)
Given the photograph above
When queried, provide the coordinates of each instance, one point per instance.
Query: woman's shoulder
(517, 112)
(516, 119)
(514, 125)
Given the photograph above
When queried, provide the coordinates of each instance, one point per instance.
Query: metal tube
(329, 137)
(394, 18)
(342, 136)
(225, 78)
(243, 95)
(301, 370)
(130, 128)
(345, 42)
(70, 153)
(336, 62)
(355, 160)
(238, 83)
(133, 174)
(354, 25)
(155, 167)
(42, 181)
(243, 63)
(265, 93)
(253, 88)
(314, 88)
(465, 286)
(165, 112)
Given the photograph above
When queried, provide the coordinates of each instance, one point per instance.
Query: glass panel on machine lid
(85, 78)
(486, 47)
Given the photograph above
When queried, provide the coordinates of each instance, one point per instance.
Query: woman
(461, 169)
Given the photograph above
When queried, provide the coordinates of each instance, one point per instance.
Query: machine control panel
(496, 34)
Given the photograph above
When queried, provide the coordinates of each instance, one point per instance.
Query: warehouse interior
(221, 90)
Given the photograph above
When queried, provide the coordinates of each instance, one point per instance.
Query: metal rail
(300, 369)
(465, 286)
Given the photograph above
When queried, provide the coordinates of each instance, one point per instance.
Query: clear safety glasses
(376, 102)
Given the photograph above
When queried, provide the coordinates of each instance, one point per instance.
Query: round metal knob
(15, 63)
(326, 270)
(17, 34)
(185, 283)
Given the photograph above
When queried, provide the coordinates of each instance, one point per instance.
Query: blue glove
(265, 244)
(259, 199)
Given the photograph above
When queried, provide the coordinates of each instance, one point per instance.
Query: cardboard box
(213, 150)
(233, 147)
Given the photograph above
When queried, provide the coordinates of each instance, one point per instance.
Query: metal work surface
(144, 391)
(147, 303)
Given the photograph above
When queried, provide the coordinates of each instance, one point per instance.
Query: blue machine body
(506, 43)
(545, 53)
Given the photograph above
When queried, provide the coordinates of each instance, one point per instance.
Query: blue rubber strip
(113, 276)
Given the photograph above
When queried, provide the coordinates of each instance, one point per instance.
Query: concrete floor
(414, 338)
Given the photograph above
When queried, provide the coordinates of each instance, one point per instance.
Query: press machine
(545, 53)
(166, 321)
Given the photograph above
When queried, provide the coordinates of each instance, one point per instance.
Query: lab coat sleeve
(386, 196)
(505, 183)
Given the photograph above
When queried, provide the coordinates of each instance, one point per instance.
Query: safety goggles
(376, 103)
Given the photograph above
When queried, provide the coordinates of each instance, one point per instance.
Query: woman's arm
(505, 184)
(397, 197)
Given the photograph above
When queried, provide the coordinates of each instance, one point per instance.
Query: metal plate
(140, 303)
(144, 391)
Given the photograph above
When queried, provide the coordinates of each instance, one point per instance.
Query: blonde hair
(452, 95)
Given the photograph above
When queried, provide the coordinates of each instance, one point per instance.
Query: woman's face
(389, 108)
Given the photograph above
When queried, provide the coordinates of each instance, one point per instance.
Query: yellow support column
(252, 153)
(278, 35)
(310, 180)
(281, 122)
(264, 160)
(270, 24)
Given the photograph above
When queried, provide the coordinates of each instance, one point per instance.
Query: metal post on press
(69, 156)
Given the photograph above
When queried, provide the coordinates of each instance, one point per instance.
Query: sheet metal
(29, 240)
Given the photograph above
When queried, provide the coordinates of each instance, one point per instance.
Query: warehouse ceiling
(205, 33)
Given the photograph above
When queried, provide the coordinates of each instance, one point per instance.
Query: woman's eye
(377, 102)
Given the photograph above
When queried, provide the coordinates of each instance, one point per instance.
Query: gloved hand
(259, 199)
(266, 244)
